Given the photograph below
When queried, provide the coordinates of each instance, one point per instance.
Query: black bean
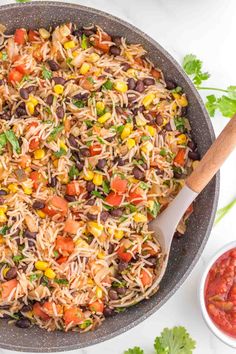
(89, 32)
(138, 174)
(53, 182)
(90, 186)
(38, 204)
(170, 85)
(77, 33)
(80, 165)
(5, 116)
(121, 290)
(153, 261)
(1, 82)
(122, 266)
(193, 155)
(59, 80)
(116, 40)
(114, 50)
(101, 164)
(178, 234)
(72, 140)
(117, 213)
(139, 86)
(20, 110)
(131, 83)
(4, 307)
(85, 152)
(104, 215)
(91, 216)
(108, 312)
(26, 308)
(60, 112)
(113, 294)
(138, 109)
(111, 248)
(184, 111)
(168, 127)
(54, 66)
(191, 144)
(119, 161)
(81, 96)
(27, 233)
(150, 118)
(70, 198)
(3, 192)
(31, 88)
(125, 66)
(178, 175)
(110, 139)
(24, 93)
(23, 323)
(149, 81)
(90, 202)
(11, 273)
(49, 100)
(159, 119)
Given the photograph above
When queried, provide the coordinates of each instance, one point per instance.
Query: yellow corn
(151, 130)
(44, 33)
(28, 169)
(147, 100)
(3, 208)
(129, 56)
(63, 145)
(97, 179)
(126, 131)
(176, 95)
(75, 53)
(182, 139)
(94, 228)
(30, 108)
(133, 180)
(182, 101)
(130, 143)
(2, 241)
(84, 68)
(150, 204)
(132, 72)
(27, 190)
(55, 163)
(195, 164)
(93, 58)
(41, 214)
(81, 243)
(90, 281)
(138, 217)
(88, 175)
(100, 106)
(98, 72)
(5, 270)
(119, 234)
(69, 45)
(3, 217)
(99, 292)
(39, 154)
(104, 117)
(147, 147)
(59, 89)
(101, 255)
(49, 273)
(41, 265)
(13, 187)
(120, 86)
(33, 100)
(0, 55)
(140, 122)
(64, 178)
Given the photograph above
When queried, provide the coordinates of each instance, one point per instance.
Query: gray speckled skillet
(186, 251)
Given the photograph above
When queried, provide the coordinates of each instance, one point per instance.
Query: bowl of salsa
(218, 294)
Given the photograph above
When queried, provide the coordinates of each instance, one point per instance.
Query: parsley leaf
(227, 106)
(135, 350)
(108, 85)
(60, 153)
(4, 229)
(211, 105)
(84, 42)
(17, 259)
(55, 132)
(47, 74)
(232, 92)
(10, 135)
(97, 194)
(79, 103)
(193, 67)
(106, 186)
(74, 172)
(179, 124)
(61, 281)
(154, 209)
(34, 276)
(90, 79)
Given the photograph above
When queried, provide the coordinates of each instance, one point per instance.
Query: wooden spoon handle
(214, 158)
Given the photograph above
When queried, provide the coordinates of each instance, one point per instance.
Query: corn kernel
(75, 53)
(100, 106)
(130, 143)
(84, 68)
(3, 217)
(90, 281)
(195, 164)
(93, 58)
(41, 265)
(133, 180)
(99, 292)
(94, 228)
(55, 163)
(88, 175)
(13, 187)
(59, 89)
(41, 214)
(2, 241)
(150, 204)
(182, 101)
(0, 55)
(119, 234)
(81, 243)
(151, 130)
(138, 217)
(126, 131)
(33, 100)
(49, 273)
(39, 154)
(97, 179)
(132, 72)
(148, 99)
(147, 147)
(44, 33)
(140, 121)
(182, 139)
(120, 86)
(104, 117)
(30, 108)
(63, 145)
(3, 208)
(69, 45)
(28, 169)
(27, 190)
(101, 255)
(176, 95)
(5, 270)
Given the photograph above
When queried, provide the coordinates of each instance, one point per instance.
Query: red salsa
(220, 292)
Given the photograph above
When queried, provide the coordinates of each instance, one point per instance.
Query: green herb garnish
(84, 42)
(79, 103)
(74, 172)
(144, 185)
(47, 74)
(55, 133)
(88, 123)
(10, 135)
(60, 153)
(163, 152)
(68, 61)
(85, 324)
(154, 210)
(132, 208)
(106, 186)
(223, 211)
(179, 124)
(34, 276)
(61, 281)
(108, 85)
(193, 67)
(90, 79)
(4, 229)
(18, 258)
(55, 253)
(4, 56)
(145, 138)
(97, 194)
(101, 141)
(3, 141)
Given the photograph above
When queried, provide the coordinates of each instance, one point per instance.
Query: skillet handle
(214, 158)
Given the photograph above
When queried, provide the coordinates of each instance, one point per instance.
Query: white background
(205, 28)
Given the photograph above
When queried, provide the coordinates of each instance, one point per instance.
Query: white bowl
(216, 331)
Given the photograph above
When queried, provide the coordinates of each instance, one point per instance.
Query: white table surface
(207, 29)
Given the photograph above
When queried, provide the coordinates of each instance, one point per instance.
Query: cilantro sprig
(225, 103)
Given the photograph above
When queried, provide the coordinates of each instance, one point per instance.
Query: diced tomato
(73, 316)
(113, 199)
(180, 157)
(155, 73)
(48, 308)
(99, 44)
(25, 161)
(22, 69)
(119, 185)
(32, 124)
(37, 311)
(33, 36)
(72, 226)
(7, 287)
(86, 84)
(97, 306)
(34, 144)
(64, 245)
(37, 178)
(138, 61)
(15, 76)
(148, 249)
(73, 188)
(20, 36)
(135, 197)
(95, 149)
(123, 254)
(145, 277)
(56, 205)
(62, 260)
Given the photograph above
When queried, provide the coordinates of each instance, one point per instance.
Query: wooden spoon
(165, 224)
